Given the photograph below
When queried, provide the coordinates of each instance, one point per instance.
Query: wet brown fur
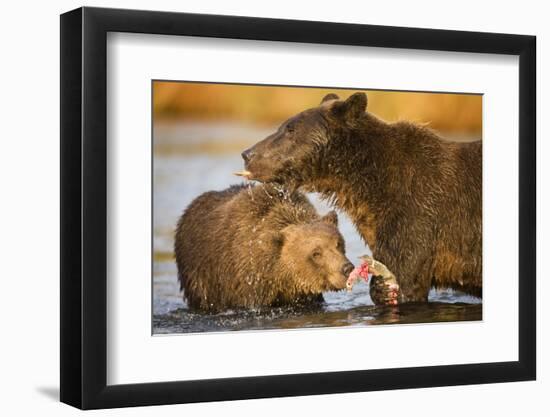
(252, 246)
(414, 197)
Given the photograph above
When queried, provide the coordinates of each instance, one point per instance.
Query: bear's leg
(414, 290)
(406, 258)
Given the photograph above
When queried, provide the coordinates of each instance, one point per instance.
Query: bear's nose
(247, 155)
(347, 268)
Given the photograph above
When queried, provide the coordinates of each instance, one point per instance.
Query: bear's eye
(316, 254)
(290, 128)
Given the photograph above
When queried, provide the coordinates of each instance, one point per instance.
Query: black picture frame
(84, 207)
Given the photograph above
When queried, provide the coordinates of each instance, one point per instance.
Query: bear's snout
(347, 268)
(247, 155)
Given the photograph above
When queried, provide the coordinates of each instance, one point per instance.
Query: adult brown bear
(414, 197)
(255, 247)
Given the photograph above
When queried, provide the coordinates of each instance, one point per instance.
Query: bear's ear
(330, 218)
(330, 97)
(278, 239)
(353, 108)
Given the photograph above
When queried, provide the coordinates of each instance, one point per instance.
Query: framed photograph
(256, 208)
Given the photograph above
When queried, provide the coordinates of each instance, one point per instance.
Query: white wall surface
(29, 225)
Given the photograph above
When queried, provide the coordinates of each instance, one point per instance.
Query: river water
(192, 158)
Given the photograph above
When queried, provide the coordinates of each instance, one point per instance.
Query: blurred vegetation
(457, 114)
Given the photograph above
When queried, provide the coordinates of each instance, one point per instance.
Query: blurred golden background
(457, 115)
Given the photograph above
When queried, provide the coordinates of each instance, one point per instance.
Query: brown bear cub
(257, 246)
(414, 197)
